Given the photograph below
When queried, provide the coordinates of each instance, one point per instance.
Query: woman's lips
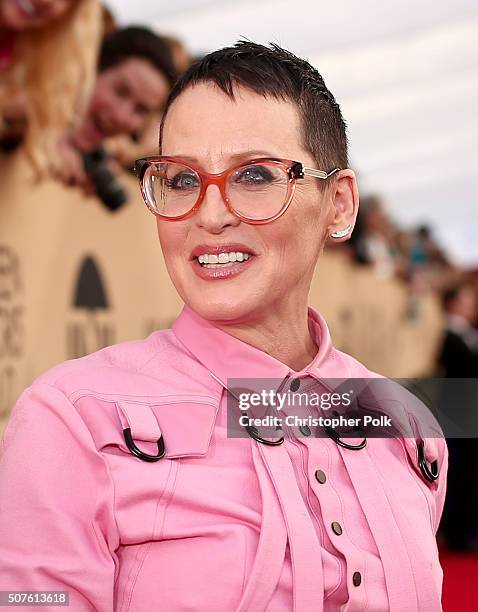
(224, 272)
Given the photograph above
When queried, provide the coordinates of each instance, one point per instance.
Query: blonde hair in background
(55, 67)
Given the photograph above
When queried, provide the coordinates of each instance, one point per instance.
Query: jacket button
(357, 579)
(305, 429)
(320, 476)
(337, 528)
(295, 384)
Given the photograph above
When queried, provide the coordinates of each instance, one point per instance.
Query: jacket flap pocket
(185, 426)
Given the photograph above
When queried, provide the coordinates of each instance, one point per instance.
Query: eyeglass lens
(256, 191)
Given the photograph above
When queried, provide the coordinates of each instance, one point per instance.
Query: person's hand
(71, 170)
(122, 150)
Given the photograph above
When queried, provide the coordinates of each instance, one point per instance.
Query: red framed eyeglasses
(257, 191)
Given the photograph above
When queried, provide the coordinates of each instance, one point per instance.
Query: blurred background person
(458, 358)
(126, 148)
(459, 353)
(426, 256)
(48, 54)
(135, 74)
(375, 243)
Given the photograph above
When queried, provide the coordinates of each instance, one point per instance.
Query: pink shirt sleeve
(57, 528)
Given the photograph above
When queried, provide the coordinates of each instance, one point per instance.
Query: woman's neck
(287, 339)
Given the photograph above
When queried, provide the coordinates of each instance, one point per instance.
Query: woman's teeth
(223, 259)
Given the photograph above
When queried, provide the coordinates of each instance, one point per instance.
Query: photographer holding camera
(135, 74)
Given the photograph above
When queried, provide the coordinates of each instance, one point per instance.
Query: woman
(47, 68)
(119, 483)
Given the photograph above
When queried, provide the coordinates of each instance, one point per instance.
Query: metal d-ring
(253, 432)
(430, 473)
(336, 438)
(128, 438)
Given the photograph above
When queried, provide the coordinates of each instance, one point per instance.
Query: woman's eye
(184, 180)
(254, 175)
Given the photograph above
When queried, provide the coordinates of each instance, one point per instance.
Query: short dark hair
(276, 72)
(140, 42)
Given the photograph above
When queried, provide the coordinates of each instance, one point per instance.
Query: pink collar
(227, 357)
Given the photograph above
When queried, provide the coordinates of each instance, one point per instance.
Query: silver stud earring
(341, 233)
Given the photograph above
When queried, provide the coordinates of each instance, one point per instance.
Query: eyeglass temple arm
(321, 174)
(140, 166)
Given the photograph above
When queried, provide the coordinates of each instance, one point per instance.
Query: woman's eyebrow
(239, 156)
(251, 154)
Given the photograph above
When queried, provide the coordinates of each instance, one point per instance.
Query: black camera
(108, 189)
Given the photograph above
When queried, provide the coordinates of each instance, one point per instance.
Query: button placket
(304, 385)
(331, 508)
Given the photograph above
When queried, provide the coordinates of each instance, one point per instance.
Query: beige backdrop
(75, 277)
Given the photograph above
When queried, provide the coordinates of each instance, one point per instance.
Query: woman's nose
(213, 214)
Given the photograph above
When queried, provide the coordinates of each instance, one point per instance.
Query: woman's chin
(219, 309)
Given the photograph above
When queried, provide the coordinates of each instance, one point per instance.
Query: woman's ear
(346, 204)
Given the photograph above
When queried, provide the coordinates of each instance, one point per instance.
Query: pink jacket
(218, 524)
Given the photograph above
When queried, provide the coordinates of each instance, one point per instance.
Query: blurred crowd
(82, 96)
(414, 257)
(83, 99)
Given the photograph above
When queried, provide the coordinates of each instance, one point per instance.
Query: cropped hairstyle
(275, 72)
